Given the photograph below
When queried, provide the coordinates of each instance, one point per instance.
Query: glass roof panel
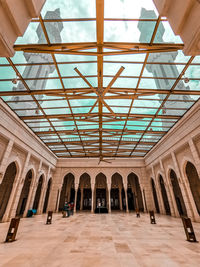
(129, 31)
(72, 31)
(165, 34)
(79, 94)
(127, 8)
(32, 35)
(71, 8)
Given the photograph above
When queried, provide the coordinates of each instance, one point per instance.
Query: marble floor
(94, 240)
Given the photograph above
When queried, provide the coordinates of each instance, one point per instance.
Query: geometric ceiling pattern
(91, 80)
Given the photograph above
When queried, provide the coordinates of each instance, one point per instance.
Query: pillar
(109, 206)
(182, 187)
(75, 195)
(81, 204)
(158, 190)
(20, 185)
(92, 197)
(42, 197)
(126, 196)
(54, 197)
(170, 193)
(120, 198)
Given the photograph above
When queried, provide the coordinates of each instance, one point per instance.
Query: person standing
(67, 209)
(72, 208)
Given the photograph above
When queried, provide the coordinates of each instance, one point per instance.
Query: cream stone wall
(20, 145)
(181, 144)
(90, 166)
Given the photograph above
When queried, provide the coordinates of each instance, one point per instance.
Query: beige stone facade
(180, 146)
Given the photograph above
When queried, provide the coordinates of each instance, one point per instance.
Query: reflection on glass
(163, 71)
(37, 71)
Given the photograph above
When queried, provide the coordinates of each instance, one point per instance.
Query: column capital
(125, 186)
(76, 186)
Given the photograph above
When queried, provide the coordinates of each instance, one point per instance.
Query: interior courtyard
(100, 110)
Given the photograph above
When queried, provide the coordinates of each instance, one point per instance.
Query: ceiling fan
(104, 160)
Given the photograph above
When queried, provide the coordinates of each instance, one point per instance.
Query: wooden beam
(61, 92)
(78, 47)
(100, 36)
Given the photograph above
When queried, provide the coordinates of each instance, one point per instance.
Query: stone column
(182, 186)
(186, 191)
(158, 190)
(183, 189)
(42, 197)
(146, 190)
(194, 212)
(36, 184)
(29, 197)
(81, 204)
(177, 171)
(144, 200)
(43, 193)
(126, 196)
(75, 196)
(109, 204)
(120, 198)
(19, 187)
(169, 191)
(54, 196)
(92, 197)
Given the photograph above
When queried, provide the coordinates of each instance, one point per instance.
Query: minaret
(162, 70)
(41, 71)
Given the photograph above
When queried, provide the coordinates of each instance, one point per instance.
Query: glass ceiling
(91, 80)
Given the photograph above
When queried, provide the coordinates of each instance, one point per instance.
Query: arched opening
(134, 193)
(24, 194)
(164, 196)
(67, 191)
(6, 187)
(85, 193)
(38, 193)
(101, 193)
(155, 196)
(177, 194)
(194, 182)
(116, 192)
(47, 196)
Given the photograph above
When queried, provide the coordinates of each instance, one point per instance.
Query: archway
(47, 196)
(6, 187)
(116, 192)
(85, 198)
(67, 191)
(38, 193)
(164, 196)
(101, 193)
(155, 196)
(194, 182)
(134, 193)
(24, 194)
(177, 194)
